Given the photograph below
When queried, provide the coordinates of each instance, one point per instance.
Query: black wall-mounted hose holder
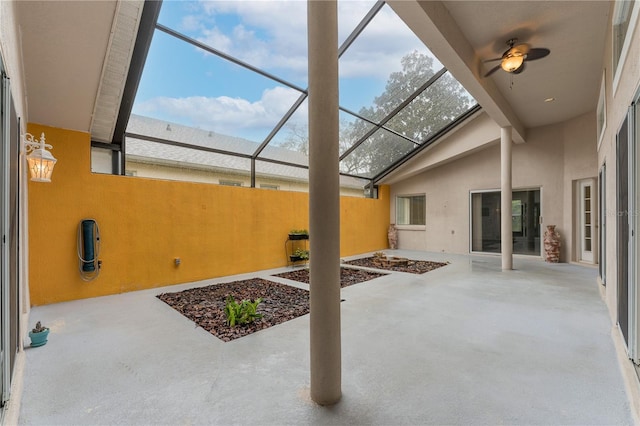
(88, 249)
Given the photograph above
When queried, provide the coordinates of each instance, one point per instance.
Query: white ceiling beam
(432, 23)
(115, 69)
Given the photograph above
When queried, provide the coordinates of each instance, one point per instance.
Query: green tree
(438, 105)
(434, 108)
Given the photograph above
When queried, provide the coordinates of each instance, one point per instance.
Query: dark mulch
(205, 305)
(348, 276)
(413, 266)
(280, 302)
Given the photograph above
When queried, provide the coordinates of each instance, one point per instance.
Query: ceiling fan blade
(492, 60)
(519, 70)
(537, 53)
(492, 70)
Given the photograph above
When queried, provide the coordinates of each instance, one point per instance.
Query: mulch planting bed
(280, 302)
(348, 276)
(205, 305)
(412, 266)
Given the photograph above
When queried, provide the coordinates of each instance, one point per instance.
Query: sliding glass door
(9, 243)
(602, 240)
(525, 221)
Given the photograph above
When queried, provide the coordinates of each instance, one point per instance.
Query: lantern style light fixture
(39, 160)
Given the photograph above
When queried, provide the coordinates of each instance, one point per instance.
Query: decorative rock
(382, 260)
(393, 237)
(552, 244)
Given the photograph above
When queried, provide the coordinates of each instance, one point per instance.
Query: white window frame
(227, 182)
(634, 224)
(411, 226)
(618, 63)
(584, 254)
(269, 186)
(602, 216)
(601, 110)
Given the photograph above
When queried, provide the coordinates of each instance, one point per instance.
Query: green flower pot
(39, 339)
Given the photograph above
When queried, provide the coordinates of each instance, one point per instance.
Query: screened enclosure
(223, 95)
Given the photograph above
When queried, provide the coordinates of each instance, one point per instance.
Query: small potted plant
(299, 255)
(298, 234)
(39, 335)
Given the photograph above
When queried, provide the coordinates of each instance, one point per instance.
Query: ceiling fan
(513, 60)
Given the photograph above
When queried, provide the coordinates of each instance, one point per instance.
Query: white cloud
(378, 50)
(267, 34)
(223, 114)
(272, 35)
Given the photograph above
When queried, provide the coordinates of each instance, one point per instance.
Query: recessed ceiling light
(550, 99)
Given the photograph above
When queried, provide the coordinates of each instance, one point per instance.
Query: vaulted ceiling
(465, 34)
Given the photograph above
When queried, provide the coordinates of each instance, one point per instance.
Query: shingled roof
(150, 152)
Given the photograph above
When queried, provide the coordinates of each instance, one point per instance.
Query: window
(601, 110)
(269, 186)
(602, 251)
(410, 210)
(230, 182)
(371, 192)
(625, 14)
(101, 160)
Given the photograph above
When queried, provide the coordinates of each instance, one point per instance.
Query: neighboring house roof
(164, 153)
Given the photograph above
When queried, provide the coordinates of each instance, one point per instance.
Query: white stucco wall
(618, 100)
(551, 159)
(581, 162)
(12, 56)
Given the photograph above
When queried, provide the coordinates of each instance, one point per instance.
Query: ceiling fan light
(512, 62)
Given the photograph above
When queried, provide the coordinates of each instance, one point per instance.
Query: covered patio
(463, 344)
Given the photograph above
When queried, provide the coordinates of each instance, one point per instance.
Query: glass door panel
(525, 217)
(586, 221)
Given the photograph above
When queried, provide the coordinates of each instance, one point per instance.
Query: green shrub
(302, 254)
(241, 313)
(299, 231)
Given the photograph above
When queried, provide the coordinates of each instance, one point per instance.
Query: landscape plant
(301, 253)
(241, 313)
(39, 328)
(299, 232)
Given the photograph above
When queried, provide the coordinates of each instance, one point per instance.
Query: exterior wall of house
(145, 224)
(551, 159)
(11, 54)
(618, 99)
(187, 174)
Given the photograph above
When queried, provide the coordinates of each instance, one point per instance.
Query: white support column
(506, 231)
(324, 203)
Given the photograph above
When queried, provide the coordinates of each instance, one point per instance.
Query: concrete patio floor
(465, 344)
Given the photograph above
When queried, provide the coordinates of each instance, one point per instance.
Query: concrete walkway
(465, 344)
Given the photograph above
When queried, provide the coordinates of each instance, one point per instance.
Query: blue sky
(185, 85)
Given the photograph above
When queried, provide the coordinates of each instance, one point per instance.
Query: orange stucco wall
(145, 224)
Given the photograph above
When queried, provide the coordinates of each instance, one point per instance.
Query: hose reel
(88, 244)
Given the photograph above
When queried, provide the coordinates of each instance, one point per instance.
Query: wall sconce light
(39, 160)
